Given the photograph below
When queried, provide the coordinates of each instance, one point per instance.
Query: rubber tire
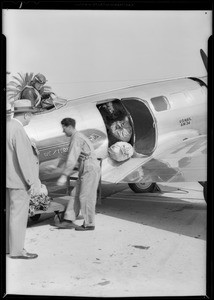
(135, 187)
(35, 217)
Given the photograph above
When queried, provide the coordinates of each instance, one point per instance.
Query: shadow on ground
(164, 212)
(161, 212)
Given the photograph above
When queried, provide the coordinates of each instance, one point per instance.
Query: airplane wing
(186, 161)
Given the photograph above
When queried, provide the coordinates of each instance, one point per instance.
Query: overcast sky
(84, 52)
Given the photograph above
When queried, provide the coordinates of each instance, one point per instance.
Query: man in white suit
(20, 178)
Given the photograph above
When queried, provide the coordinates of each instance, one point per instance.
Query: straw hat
(8, 109)
(23, 105)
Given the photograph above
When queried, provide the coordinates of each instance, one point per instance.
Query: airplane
(169, 131)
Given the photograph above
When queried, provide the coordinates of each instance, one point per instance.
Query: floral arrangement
(39, 202)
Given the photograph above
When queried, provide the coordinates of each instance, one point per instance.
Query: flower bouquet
(39, 202)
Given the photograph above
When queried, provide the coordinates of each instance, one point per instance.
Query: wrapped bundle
(121, 151)
(122, 130)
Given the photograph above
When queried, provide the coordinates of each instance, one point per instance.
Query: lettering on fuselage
(94, 137)
(52, 153)
(185, 121)
(97, 137)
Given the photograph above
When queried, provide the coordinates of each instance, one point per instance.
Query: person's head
(23, 111)
(68, 126)
(38, 81)
(109, 106)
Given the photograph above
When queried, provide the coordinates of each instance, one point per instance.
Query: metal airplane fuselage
(175, 108)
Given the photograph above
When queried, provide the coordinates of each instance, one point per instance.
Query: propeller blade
(204, 58)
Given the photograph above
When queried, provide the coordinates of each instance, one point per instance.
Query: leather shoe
(83, 228)
(26, 255)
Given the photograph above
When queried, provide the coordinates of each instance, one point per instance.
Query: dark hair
(68, 121)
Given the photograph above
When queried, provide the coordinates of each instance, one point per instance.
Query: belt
(83, 156)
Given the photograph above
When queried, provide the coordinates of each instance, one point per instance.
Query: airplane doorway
(118, 122)
(144, 125)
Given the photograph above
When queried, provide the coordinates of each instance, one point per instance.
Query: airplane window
(160, 103)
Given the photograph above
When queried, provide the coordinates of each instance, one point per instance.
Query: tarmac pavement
(143, 245)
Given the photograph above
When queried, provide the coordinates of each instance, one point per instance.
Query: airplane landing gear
(142, 187)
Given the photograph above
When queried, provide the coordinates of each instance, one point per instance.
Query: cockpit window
(160, 103)
(57, 103)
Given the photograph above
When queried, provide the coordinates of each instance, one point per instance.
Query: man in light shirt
(81, 151)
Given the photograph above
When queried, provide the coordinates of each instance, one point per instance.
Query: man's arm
(73, 155)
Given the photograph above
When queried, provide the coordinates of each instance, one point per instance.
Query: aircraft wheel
(35, 217)
(142, 187)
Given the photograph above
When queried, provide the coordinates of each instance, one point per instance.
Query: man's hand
(62, 180)
(33, 190)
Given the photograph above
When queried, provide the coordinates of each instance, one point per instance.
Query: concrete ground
(143, 245)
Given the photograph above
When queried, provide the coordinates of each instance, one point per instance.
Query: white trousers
(17, 205)
(84, 196)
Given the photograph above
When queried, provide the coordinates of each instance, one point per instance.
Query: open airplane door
(143, 139)
(144, 125)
